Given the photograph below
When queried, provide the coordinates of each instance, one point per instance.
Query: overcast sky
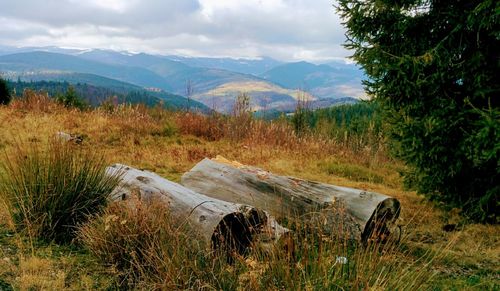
(283, 29)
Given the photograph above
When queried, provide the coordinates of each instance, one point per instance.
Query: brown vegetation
(170, 143)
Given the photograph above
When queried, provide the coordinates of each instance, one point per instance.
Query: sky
(287, 30)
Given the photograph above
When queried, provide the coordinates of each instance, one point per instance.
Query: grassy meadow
(118, 250)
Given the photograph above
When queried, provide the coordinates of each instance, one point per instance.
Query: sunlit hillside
(264, 95)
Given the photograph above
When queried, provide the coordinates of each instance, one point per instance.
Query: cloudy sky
(283, 29)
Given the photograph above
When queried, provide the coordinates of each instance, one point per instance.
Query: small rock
(341, 260)
(77, 139)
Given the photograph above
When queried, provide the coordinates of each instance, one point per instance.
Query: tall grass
(49, 191)
(32, 101)
(355, 126)
(151, 250)
(211, 127)
(354, 129)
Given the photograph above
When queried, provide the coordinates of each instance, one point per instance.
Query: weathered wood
(224, 226)
(350, 212)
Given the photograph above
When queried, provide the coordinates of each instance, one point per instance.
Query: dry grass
(34, 101)
(136, 136)
(152, 250)
(37, 273)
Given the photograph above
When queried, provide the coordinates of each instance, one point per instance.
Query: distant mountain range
(44, 62)
(215, 82)
(243, 66)
(332, 80)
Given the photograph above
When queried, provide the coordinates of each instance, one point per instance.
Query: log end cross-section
(225, 226)
(345, 212)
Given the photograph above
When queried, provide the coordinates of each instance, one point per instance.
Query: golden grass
(37, 273)
(135, 136)
(151, 250)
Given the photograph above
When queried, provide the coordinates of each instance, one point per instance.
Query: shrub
(49, 192)
(212, 127)
(71, 99)
(169, 128)
(302, 114)
(240, 122)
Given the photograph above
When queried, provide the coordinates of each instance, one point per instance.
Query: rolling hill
(97, 67)
(95, 90)
(75, 78)
(263, 96)
(333, 80)
(174, 72)
(34, 62)
(215, 81)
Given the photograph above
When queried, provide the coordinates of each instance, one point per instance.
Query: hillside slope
(466, 258)
(98, 90)
(39, 62)
(213, 81)
(174, 72)
(334, 80)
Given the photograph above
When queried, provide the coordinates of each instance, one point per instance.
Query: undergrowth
(145, 247)
(153, 250)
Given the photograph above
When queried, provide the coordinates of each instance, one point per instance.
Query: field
(170, 143)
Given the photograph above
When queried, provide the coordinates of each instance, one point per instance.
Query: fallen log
(351, 213)
(224, 226)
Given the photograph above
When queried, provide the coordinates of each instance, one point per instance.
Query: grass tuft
(49, 192)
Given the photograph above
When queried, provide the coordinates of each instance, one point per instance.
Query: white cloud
(119, 6)
(284, 29)
(210, 7)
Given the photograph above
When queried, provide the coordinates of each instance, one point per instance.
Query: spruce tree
(433, 66)
(71, 99)
(5, 95)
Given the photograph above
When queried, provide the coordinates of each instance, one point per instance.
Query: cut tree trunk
(346, 212)
(225, 226)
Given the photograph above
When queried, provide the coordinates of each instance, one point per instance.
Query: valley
(215, 82)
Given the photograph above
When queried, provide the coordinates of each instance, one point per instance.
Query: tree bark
(348, 212)
(225, 226)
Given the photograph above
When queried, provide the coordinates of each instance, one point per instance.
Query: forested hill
(95, 95)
